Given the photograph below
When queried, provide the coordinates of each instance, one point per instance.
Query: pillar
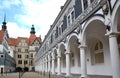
(59, 65)
(83, 61)
(114, 54)
(53, 64)
(67, 64)
(49, 59)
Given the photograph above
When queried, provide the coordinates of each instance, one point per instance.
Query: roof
(1, 35)
(30, 40)
(12, 41)
(33, 37)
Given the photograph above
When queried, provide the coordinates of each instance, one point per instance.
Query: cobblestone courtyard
(25, 75)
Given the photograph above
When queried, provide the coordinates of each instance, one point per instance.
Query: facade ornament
(105, 9)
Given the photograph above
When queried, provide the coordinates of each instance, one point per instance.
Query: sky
(22, 14)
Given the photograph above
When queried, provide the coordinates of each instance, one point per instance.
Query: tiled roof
(12, 41)
(33, 37)
(30, 40)
(1, 35)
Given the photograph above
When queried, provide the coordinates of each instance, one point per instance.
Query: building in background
(7, 62)
(83, 41)
(24, 50)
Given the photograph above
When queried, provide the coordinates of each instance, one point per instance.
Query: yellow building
(25, 50)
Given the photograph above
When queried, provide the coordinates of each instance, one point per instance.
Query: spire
(4, 27)
(32, 30)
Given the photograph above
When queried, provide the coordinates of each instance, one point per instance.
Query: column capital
(53, 58)
(67, 52)
(58, 56)
(82, 46)
(112, 34)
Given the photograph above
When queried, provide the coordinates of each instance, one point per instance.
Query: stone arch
(62, 49)
(27, 69)
(18, 69)
(98, 19)
(74, 51)
(71, 35)
(94, 31)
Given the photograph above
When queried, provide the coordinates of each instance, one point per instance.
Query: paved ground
(25, 75)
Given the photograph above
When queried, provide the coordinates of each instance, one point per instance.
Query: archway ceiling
(73, 44)
(95, 28)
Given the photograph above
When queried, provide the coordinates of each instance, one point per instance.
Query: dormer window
(85, 4)
(71, 18)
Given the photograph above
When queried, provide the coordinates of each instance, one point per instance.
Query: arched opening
(63, 58)
(97, 46)
(74, 54)
(18, 69)
(26, 69)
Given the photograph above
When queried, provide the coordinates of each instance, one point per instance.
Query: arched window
(98, 53)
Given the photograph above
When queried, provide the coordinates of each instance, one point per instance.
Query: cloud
(41, 13)
(15, 31)
(8, 3)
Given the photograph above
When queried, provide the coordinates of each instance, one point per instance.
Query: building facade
(7, 62)
(25, 50)
(83, 41)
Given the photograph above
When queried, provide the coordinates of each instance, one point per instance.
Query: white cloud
(9, 3)
(41, 13)
(15, 31)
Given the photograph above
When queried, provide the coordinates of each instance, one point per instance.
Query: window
(73, 16)
(25, 62)
(62, 29)
(26, 56)
(68, 20)
(19, 56)
(59, 30)
(31, 62)
(85, 3)
(19, 61)
(26, 50)
(31, 55)
(19, 50)
(98, 53)
(2, 56)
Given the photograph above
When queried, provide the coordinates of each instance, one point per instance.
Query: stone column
(46, 65)
(59, 65)
(67, 64)
(83, 61)
(53, 64)
(49, 59)
(114, 54)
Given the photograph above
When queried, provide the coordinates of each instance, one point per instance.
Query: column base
(59, 74)
(83, 77)
(67, 76)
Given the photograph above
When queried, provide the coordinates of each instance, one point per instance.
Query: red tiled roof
(1, 35)
(30, 40)
(33, 37)
(12, 41)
